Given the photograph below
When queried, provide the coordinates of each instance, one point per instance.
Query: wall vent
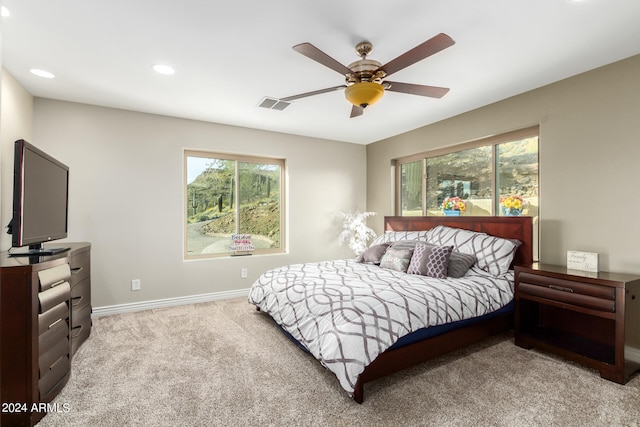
(273, 104)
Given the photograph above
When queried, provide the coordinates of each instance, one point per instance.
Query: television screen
(40, 197)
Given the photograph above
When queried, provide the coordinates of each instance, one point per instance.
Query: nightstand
(589, 318)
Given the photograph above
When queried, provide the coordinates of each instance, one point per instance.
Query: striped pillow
(493, 254)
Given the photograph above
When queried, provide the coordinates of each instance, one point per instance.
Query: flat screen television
(40, 200)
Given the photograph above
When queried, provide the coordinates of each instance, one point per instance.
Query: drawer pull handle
(76, 270)
(55, 323)
(76, 300)
(560, 288)
(56, 362)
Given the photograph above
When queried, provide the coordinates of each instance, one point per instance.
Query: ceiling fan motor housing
(364, 84)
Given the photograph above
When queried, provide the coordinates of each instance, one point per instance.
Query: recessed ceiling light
(42, 73)
(4, 11)
(163, 69)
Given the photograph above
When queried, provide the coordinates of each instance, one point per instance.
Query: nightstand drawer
(568, 297)
(567, 291)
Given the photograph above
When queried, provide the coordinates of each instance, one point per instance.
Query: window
(227, 195)
(486, 174)
(465, 174)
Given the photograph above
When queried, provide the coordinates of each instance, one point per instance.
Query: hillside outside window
(227, 196)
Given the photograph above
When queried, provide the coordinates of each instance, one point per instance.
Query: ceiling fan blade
(430, 91)
(315, 92)
(418, 53)
(310, 51)
(356, 111)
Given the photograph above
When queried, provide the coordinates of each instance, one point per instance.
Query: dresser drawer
(81, 328)
(50, 318)
(48, 358)
(81, 317)
(54, 296)
(51, 336)
(50, 277)
(48, 382)
(81, 293)
(80, 267)
(567, 291)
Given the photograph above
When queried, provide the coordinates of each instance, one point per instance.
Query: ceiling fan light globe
(364, 94)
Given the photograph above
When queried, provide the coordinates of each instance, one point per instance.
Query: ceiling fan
(365, 79)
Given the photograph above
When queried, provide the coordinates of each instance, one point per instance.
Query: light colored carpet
(225, 364)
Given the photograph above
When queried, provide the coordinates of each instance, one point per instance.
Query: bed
(396, 307)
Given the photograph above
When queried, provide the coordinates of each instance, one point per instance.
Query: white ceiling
(229, 55)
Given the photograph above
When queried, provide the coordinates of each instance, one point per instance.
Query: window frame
(238, 158)
(493, 141)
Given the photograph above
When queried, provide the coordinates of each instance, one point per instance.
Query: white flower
(355, 231)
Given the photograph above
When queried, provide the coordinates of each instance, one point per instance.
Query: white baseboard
(632, 353)
(167, 302)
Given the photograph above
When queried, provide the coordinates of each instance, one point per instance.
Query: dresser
(589, 318)
(39, 298)
(80, 264)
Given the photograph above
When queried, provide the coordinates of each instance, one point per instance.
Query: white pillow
(493, 254)
(395, 236)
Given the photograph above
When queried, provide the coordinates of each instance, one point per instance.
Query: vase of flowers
(355, 232)
(453, 206)
(512, 205)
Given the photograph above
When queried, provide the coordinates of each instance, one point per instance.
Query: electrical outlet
(243, 273)
(135, 285)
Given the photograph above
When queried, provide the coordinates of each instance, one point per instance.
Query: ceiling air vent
(273, 104)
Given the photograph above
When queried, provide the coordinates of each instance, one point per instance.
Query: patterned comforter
(347, 313)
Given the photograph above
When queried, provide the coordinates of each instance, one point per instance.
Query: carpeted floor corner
(225, 364)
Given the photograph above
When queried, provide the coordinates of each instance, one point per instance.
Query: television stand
(39, 250)
(45, 315)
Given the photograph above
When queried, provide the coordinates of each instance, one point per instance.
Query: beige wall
(589, 152)
(126, 196)
(16, 122)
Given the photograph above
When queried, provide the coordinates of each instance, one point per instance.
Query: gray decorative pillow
(396, 259)
(373, 254)
(493, 254)
(459, 263)
(430, 260)
(404, 244)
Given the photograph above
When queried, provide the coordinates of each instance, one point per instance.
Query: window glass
(411, 188)
(229, 196)
(464, 175)
(259, 204)
(517, 177)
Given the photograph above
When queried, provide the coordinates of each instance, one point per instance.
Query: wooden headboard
(509, 227)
